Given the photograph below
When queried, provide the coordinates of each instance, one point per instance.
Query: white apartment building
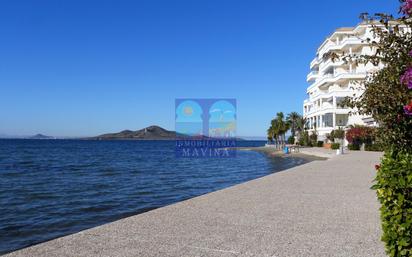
(330, 81)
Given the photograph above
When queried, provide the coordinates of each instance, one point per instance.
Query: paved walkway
(319, 151)
(324, 208)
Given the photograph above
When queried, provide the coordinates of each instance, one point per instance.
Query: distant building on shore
(331, 80)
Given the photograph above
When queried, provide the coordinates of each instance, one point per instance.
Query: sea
(52, 188)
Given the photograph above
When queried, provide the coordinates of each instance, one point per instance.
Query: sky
(73, 68)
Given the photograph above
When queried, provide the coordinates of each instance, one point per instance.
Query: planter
(327, 145)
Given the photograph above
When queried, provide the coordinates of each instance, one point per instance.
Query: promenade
(323, 208)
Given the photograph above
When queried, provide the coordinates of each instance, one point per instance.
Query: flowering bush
(387, 98)
(406, 7)
(406, 78)
(408, 109)
(360, 134)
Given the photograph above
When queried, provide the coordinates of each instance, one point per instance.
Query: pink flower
(410, 53)
(406, 78)
(407, 7)
(408, 109)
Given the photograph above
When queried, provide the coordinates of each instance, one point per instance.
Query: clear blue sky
(80, 68)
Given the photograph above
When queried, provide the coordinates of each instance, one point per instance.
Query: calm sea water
(51, 188)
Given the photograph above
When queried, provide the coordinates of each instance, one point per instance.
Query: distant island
(149, 133)
(40, 136)
(37, 136)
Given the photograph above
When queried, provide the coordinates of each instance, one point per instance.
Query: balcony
(326, 47)
(327, 105)
(331, 63)
(312, 76)
(314, 62)
(349, 73)
(327, 120)
(335, 77)
(323, 104)
(350, 41)
(331, 45)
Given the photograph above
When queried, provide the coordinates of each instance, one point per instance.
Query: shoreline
(233, 171)
(310, 155)
(316, 209)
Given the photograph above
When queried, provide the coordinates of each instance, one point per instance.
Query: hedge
(374, 147)
(354, 147)
(335, 146)
(394, 190)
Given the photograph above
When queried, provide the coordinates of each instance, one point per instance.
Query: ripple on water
(50, 188)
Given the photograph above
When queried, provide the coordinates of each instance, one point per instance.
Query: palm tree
(293, 119)
(300, 126)
(285, 130)
(275, 130)
(282, 126)
(272, 131)
(270, 134)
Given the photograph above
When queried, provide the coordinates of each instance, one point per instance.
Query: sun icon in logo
(188, 110)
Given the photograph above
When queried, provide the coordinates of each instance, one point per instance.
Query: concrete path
(319, 151)
(324, 208)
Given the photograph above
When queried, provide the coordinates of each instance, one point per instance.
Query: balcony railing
(330, 63)
(323, 78)
(314, 62)
(331, 45)
(312, 76)
(346, 72)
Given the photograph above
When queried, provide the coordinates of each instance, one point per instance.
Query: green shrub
(335, 146)
(330, 137)
(291, 140)
(319, 144)
(313, 138)
(374, 147)
(337, 134)
(305, 137)
(354, 147)
(394, 190)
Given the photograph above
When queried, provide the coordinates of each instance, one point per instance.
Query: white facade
(333, 80)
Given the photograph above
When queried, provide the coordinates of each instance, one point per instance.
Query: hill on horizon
(149, 133)
(40, 136)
